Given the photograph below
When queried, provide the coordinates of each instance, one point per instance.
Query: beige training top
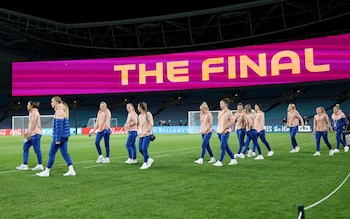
(259, 121)
(34, 123)
(240, 119)
(225, 121)
(206, 120)
(145, 124)
(131, 122)
(103, 120)
(321, 122)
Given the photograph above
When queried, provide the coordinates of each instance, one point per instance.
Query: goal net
(20, 123)
(194, 120)
(92, 121)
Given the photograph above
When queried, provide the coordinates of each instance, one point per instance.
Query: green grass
(176, 187)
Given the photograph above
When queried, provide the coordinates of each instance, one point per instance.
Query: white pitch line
(87, 167)
(325, 198)
(165, 155)
(11, 171)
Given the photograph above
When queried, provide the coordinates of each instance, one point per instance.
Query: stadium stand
(175, 105)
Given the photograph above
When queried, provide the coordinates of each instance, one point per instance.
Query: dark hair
(130, 104)
(34, 104)
(258, 105)
(226, 100)
(248, 108)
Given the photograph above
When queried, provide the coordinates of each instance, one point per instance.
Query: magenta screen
(311, 60)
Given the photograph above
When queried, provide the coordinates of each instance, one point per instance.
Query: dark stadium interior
(29, 34)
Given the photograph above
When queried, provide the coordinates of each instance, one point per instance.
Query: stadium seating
(174, 105)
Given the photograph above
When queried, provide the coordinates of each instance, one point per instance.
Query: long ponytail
(58, 99)
(66, 109)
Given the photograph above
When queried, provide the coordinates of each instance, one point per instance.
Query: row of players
(247, 125)
(137, 125)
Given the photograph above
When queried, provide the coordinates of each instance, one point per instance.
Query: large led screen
(310, 60)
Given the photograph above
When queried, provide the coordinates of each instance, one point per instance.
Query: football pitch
(176, 187)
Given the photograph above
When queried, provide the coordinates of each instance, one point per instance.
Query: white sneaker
(336, 150)
(38, 167)
(199, 161)
(331, 152)
(22, 167)
(259, 157)
(270, 153)
(297, 149)
(106, 160)
(293, 151)
(233, 162)
(346, 149)
(212, 160)
(240, 155)
(317, 153)
(144, 166)
(129, 161)
(45, 173)
(70, 173)
(218, 163)
(150, 162)
(133, 161)
(251, 154)
(100, 159)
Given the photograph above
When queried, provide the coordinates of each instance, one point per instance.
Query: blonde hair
(204, 105)
(66, 109)
(337, 106)
(143, 105)
(58, 99)
(322, 109)
(291, 106)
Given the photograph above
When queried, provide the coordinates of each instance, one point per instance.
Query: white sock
(70, 168)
